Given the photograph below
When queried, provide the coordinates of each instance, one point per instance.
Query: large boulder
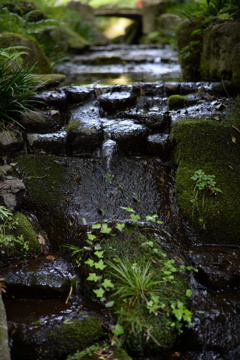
(220, 52)
(209, 52)
(213, 148)
(33, 56)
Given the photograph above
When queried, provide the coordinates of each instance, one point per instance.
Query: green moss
(189, 40)
(49, 80)
(176, 101)
(134, 316)
(24, 227)
(94, 353)
(43, 177)
(77, 335)
(34, 57)
(214, 148)
(73, 125)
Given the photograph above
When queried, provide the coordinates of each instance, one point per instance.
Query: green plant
(204, 185)
(17, 86)
(141, 292)
(9, 244)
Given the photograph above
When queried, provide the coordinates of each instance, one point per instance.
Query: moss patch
(213, 147)
(24, 228)
(68, 338)
(176, 102)
(96, 351)
(132, 246)
(34, 55)
(43, 177)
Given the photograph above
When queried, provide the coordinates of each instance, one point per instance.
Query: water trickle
(109, 149)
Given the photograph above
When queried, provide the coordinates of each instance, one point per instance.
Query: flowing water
(121, 65)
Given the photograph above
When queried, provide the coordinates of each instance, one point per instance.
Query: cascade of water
(109, 149)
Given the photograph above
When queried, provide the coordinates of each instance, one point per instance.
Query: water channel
(118, 166)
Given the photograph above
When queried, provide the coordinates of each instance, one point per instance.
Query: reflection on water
(121, 65)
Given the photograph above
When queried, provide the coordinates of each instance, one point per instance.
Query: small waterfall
(109, 149)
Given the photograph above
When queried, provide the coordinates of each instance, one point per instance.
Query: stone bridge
(134, 14)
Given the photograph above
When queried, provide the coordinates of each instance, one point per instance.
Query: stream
(120, 156)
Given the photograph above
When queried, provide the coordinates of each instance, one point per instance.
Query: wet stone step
(41, 278)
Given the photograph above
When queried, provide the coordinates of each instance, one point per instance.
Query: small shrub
(17, 86)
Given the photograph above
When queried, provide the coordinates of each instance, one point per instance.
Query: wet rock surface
(40, 278)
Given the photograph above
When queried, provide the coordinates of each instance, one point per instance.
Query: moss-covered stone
(95, 351)
(68, 338)
(44, 177)
(49, 80)
(132, 246)
(25, 229)
(218, 57)
(59, 39)
(34, 55)
(213, 147)
(189, 41)
(176, 101)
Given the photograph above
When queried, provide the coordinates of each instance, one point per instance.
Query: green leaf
(99, 254)
(93, 277)
(127, 209)
(118, 330)
(134, 217)
(100, 265)
(188, 292)
(120, 227)
(99, 292)
(89, 262)
(105, 229)
(107, 284)
(96, 226)
(91, 236)
(152, 218)
(97, 247)
(109, 304)
(187, 315)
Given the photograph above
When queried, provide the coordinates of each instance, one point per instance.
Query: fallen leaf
(234, 140)
(41, 239)
(237, 129)
(50, 257)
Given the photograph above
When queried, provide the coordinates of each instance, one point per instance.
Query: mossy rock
(34, 55)
(176, 102)
(95, 351)
(25, 229)
(220, 57)
(189, 42)
(59, 39)
(44, 178)
(22, 8)
(49, 80)
(213, 147)
(162, 334)
(66, 339)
